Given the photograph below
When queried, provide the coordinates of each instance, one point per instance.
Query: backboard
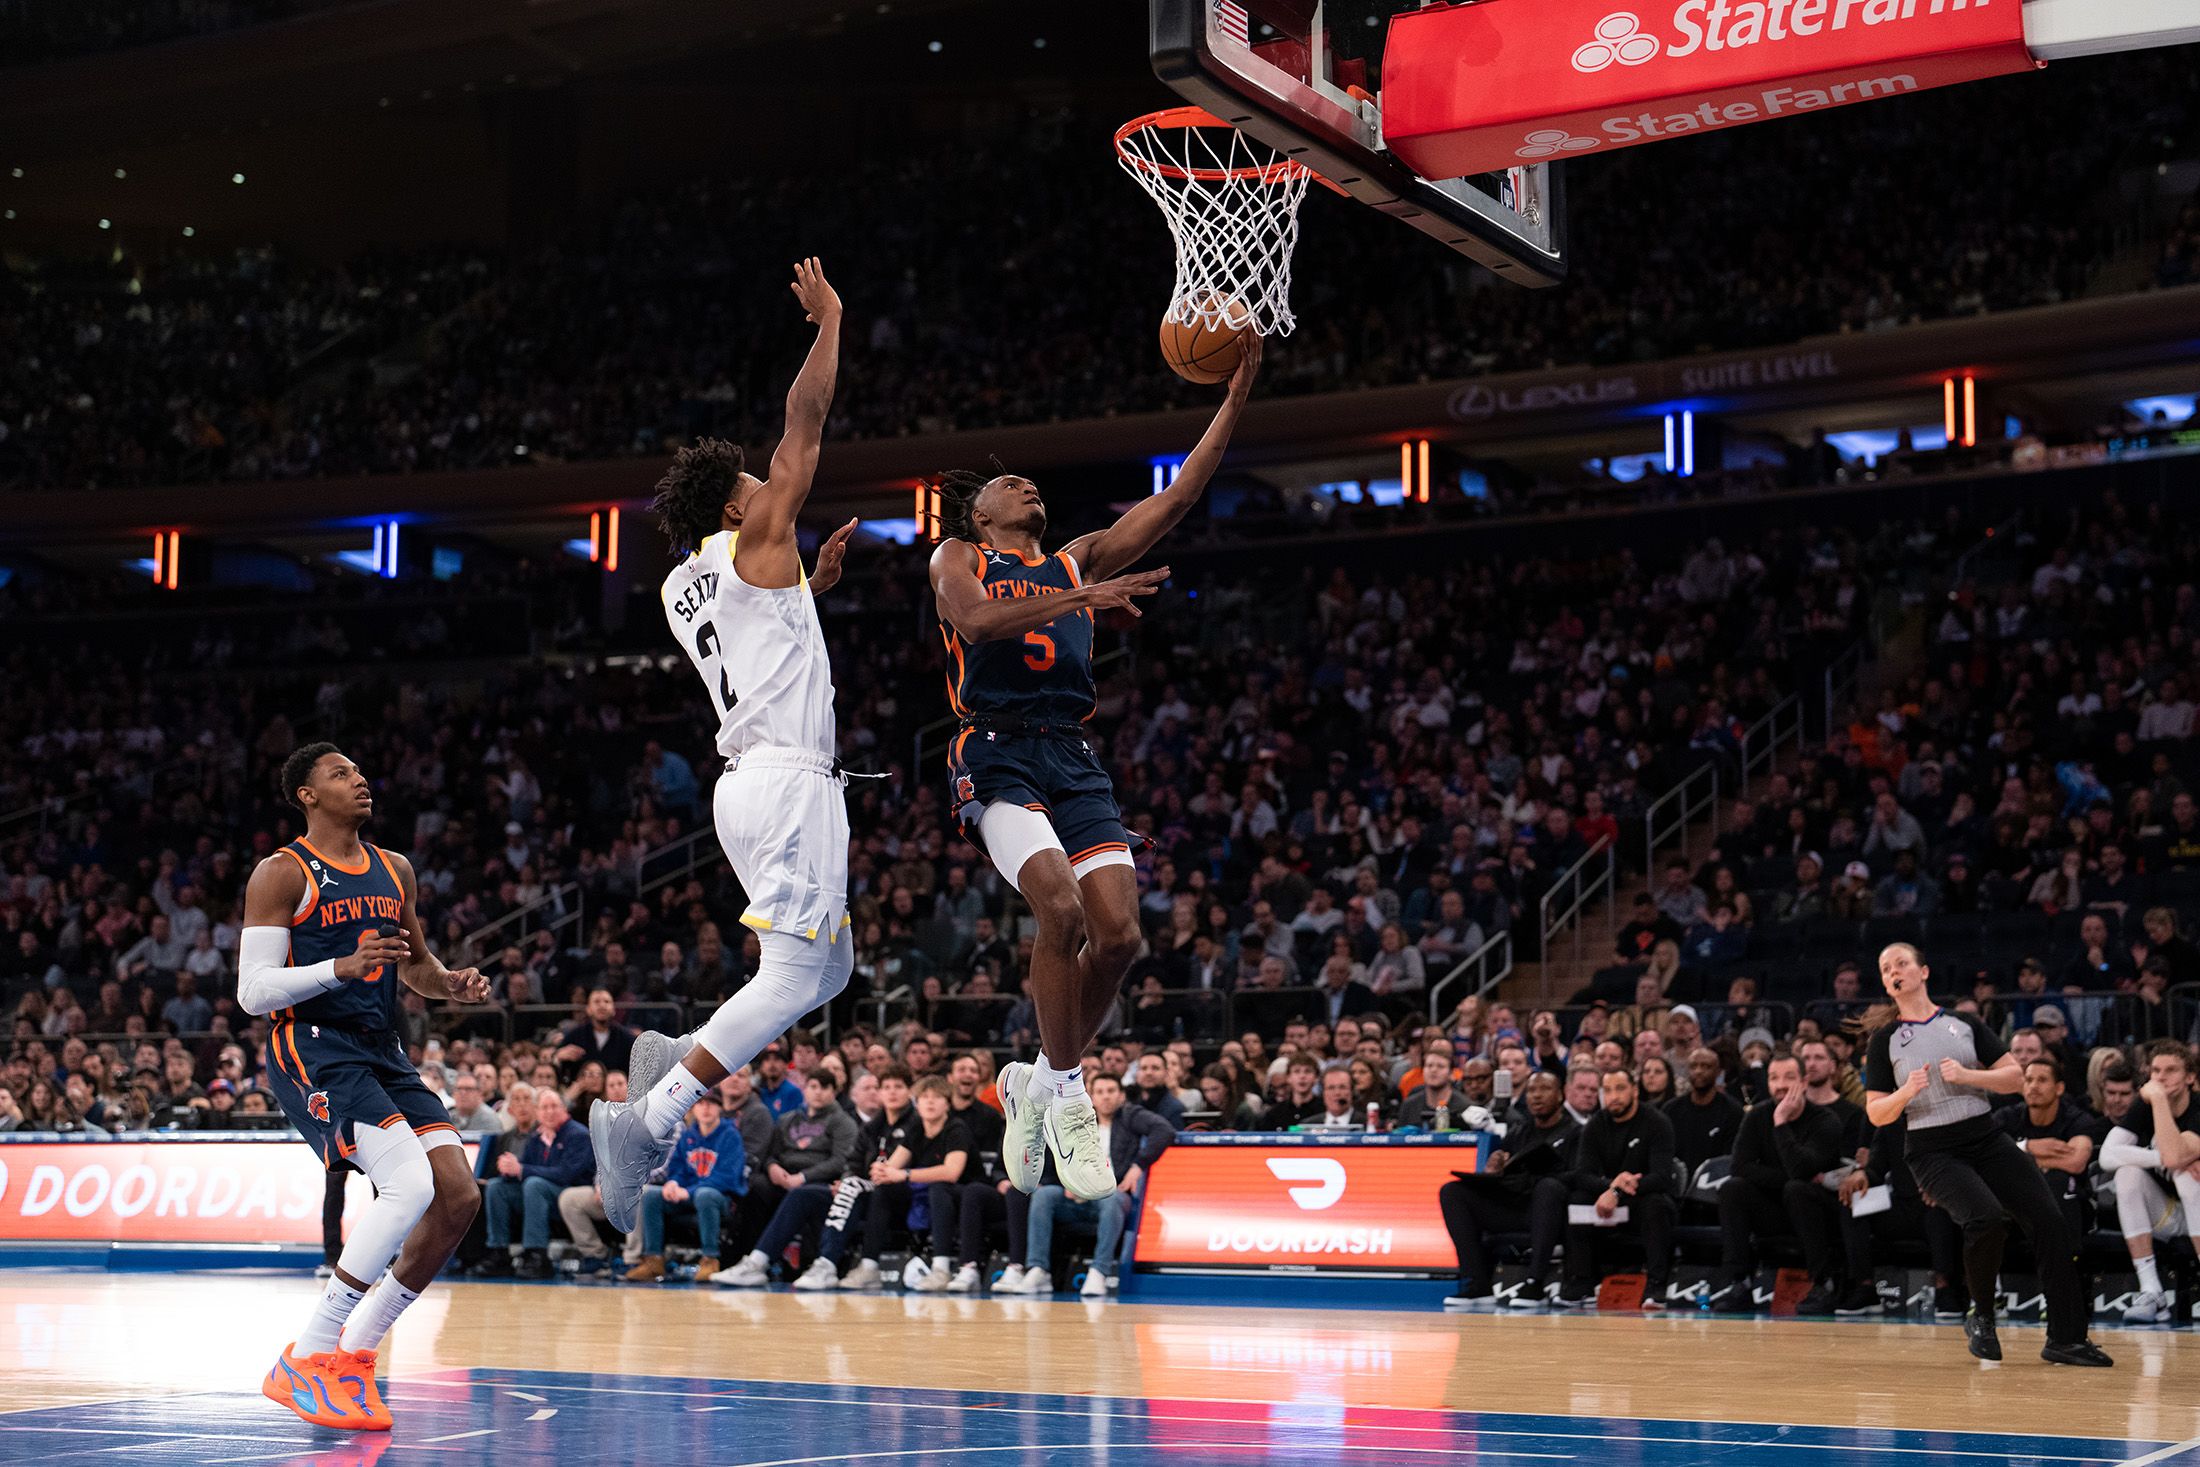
(1305, 77)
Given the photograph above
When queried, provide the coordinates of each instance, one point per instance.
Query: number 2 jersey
(1044, 677)
(760, 652)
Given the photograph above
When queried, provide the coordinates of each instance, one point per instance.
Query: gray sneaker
(653, 1058)
(625, 1156)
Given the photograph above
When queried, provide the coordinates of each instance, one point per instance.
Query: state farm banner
(165, 1191)
(1482, 87)
(1302, 1204)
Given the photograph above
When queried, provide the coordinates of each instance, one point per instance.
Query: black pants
(1907, 1221)
(968, 1211)
(1816, 1215)
(1748, 1212)
(1474, 1210)
(1983, 1183)
(1651, 1218)
(332, 1217)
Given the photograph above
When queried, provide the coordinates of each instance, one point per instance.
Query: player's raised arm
(977, 617)
(421, 970)
(767, 518)
(265, 979)
(1104, 552)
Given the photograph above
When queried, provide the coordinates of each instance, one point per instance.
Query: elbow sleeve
(265, 979)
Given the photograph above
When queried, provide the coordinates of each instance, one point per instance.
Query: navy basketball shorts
(330, 1082)
(1055, 774)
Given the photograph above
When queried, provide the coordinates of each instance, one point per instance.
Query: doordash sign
(1482, 87)
(1278, 1203)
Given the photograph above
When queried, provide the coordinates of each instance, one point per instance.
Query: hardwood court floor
(165, 1368)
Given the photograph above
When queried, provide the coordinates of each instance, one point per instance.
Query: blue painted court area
(541, 1417)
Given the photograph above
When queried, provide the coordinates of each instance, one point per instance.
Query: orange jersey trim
(366, 858)
(313, 888)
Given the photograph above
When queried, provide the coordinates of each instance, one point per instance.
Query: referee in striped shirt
(1935, 1070)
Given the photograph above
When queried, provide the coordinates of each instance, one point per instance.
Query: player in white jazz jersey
(741, 607)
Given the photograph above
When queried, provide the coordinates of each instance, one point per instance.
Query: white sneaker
(865, 1275)
(2147, 1308)
(1096, 1284)
(931, 1278)
(1011, 1280)
(1073, 1134)
(1115, 1281)
(1036, 1281)
(818, 1276)
(752, 1272)
(1023, 1153)
(965, 1280)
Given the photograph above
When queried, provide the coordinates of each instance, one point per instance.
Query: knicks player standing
(331, 930)
(1026, 785)
(741, 607)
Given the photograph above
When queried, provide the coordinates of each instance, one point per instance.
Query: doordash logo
(1326, 1174)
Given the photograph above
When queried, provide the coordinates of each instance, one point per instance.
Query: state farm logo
(1545, 141)
(1326, 1175)
(1619, 40)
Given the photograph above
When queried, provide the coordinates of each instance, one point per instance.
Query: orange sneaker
(328, 1390)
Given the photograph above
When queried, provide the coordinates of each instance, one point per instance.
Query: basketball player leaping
(1025, 784)
(741, 607)
(331, 932)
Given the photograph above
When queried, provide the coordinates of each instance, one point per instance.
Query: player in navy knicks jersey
(332, 930)
(1017, 623)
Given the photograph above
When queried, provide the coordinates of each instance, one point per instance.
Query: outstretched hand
(468, 985)
(831, 556)
(1117, 592)
(1248, 367)
(820, 302)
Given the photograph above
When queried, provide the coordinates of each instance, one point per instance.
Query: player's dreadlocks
(691, 497)
(959, 497)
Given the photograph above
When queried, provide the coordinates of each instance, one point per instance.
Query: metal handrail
(1584, 891)
(1761, 741)
(683, 853)
(1498, 950)
(1843, 673)
(1691, 803)
(489, 936)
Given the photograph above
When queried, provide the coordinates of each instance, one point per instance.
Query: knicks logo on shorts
(317, 1106)
(965, 790)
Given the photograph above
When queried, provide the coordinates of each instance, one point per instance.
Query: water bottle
(1374, 1118)
(1442, 1119)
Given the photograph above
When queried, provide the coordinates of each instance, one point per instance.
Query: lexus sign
(1478, 88)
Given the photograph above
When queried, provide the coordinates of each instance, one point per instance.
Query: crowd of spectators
(665, 317)
(45, 30)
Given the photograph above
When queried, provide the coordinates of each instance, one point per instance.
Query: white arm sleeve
(2122, 1149)
(266, 982)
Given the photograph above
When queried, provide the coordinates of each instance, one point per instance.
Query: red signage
(1364, 1208)
(1483, 87)
(165, 1192)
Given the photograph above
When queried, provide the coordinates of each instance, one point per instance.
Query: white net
(1233, 208)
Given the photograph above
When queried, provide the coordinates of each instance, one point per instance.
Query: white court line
(1473, 1431)
(544, 1414)
(168, 1436)
(527, 1396)
(2165, 1454)
(459, 1436)
(458, 1376)
(938, 1452)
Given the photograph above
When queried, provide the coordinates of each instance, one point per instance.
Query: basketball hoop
(1233, 208)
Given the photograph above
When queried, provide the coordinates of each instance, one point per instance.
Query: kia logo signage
(1476, 401)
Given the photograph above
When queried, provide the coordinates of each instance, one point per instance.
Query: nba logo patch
(317, 1106)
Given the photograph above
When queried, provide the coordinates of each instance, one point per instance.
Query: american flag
(1230, 17)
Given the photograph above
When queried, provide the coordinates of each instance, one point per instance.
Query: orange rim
(1282, 170)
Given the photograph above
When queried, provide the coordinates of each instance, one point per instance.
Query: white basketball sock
(372, 1320)
(326, 1324)
(667, 1105)
(1051, 1084)
(2150, 1277)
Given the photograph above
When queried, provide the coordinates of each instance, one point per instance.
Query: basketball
(1205, 354)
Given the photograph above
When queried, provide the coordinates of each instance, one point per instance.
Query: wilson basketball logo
(1619, 40)
(317, 1106)
(1544, 142)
